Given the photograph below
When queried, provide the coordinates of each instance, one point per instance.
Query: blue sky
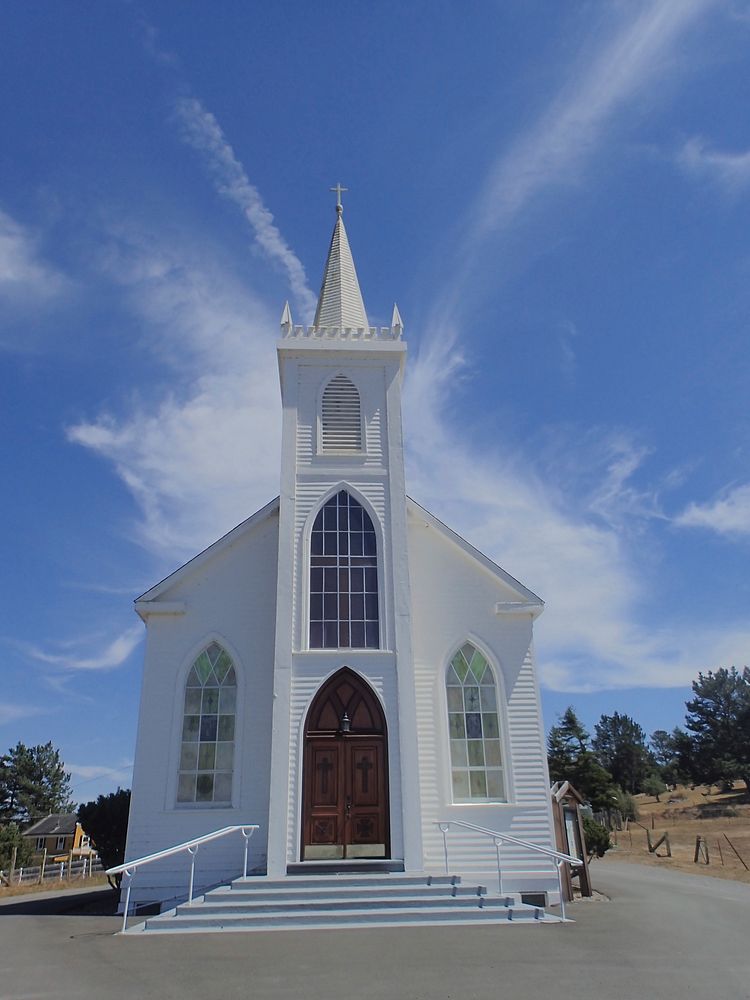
(557, 197)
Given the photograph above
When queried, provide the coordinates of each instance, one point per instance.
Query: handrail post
(127, 900)
(192, 851)
(247, 836)
(444, 830)
(560, 885)
(498, 845)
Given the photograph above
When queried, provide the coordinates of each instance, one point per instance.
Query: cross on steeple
(339, 191)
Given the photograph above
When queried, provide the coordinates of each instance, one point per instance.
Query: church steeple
(340, 304)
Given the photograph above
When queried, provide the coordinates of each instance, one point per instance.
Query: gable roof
(529, 597)
(219, 545)
(56, 824)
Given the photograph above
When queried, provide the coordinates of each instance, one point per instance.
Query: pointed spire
(397, 324)
(286, 318)
(340, 303)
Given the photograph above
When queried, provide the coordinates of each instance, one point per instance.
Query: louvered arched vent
(340, 420)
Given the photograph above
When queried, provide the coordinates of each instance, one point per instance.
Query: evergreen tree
(620, 745)
(106, 823)
(33, 784)
(670, 754)
(571, 759)
(718, 720)
(11, 842)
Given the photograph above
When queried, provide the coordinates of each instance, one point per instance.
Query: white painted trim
(147, 608)
(508, 608)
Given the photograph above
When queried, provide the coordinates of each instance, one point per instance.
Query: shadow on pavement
(100, 902)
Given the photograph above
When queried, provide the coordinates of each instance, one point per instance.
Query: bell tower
(343, 597)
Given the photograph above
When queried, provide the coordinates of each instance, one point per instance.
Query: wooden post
(737, 853)
(721, 856)
(13, 857)
(701, 850)
(664, 839)
(41, 869)
(70, 862)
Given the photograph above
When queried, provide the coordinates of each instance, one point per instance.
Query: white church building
(341, 669)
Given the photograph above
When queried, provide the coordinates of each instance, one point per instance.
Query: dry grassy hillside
(685, 814)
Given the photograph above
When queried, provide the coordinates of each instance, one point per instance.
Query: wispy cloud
(206, 455)
(555, 148)
(23, 271)
(564, 539)
(12, 712)
(728, 514)
(75, 655)
(730, 170)
(201, 131)
(551, 533)
(85, 774)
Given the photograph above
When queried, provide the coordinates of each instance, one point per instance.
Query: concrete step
(344, 865)
(383, 899)
(334, 918)
(343, 905)
(253, 882)
(251, 897)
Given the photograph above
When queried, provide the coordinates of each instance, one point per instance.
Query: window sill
(344, 651)
(480, 802)
(203, 806)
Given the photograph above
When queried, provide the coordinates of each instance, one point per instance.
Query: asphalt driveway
(661, 935)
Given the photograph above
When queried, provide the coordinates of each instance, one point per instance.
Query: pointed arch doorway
(345, 811)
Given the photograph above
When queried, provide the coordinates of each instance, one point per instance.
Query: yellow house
(60, 834)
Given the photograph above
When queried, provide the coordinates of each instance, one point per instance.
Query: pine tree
(620, 745)
(571, 759)
(718, 718)
(33, 783)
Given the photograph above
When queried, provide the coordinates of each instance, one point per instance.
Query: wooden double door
(345, 773)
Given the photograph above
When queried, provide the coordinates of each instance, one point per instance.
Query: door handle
(348, 806)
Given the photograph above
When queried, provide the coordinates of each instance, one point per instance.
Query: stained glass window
(343, 577)
(474, 728)
(207, 750)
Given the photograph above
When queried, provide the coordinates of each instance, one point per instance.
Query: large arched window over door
(474, 728)
(207, 750)
(343, 577)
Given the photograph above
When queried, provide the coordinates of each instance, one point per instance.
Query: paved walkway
(663, 936)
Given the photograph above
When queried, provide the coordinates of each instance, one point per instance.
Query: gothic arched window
(474, 728)
(340, 416)
(207, 751)
(343, 577)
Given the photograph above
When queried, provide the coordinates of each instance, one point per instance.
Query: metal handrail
(191, 846)
(500, 838)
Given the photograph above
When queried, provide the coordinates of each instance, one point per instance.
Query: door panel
(325, 768)
(345, 773)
